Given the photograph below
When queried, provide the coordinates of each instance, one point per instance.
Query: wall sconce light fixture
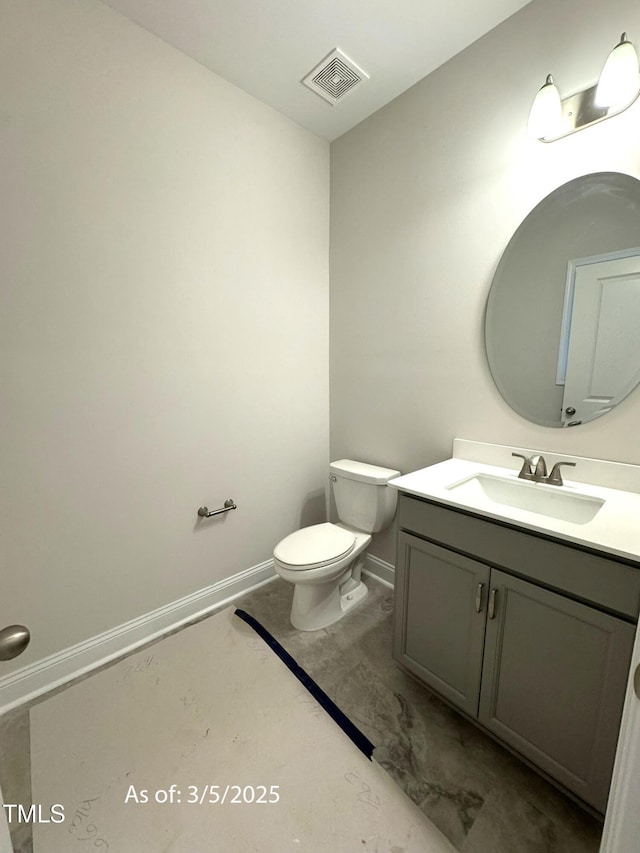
(553, 117)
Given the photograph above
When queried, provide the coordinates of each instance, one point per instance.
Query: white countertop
(615, 529)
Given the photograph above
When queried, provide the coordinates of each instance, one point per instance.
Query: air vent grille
(335, 76)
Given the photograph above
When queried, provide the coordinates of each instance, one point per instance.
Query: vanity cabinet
(529, 637)
(444, 614)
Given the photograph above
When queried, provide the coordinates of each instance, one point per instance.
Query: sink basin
(484, 490)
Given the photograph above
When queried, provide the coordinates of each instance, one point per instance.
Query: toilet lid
(318, 544)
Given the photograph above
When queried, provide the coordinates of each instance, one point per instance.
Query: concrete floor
(142, 754)
(481, 798)
(478, 794)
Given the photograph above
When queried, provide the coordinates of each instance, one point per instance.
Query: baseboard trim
(52, 672)
(382, 571)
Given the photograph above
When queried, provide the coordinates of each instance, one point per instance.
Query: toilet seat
(315, 546)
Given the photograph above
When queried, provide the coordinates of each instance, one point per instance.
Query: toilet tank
(363, 499)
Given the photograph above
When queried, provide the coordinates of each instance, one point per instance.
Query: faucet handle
(526, 472)
(555, 477)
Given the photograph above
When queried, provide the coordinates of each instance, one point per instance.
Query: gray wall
(425, 195)
(164, 323)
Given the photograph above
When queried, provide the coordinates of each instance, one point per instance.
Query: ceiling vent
(335, 77)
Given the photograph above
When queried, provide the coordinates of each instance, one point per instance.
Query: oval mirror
(562, 325)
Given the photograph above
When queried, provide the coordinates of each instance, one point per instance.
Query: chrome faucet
(535, 468)
(532, 467)
(539, 468)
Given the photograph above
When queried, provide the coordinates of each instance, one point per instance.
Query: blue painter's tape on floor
(353, 732)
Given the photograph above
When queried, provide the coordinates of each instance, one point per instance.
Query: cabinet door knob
(492, 604)
(479, 597)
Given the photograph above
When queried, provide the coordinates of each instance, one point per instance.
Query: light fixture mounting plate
(580, 111)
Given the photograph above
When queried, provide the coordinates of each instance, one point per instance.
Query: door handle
(479, 590)
(14, 639)
(636, 682)
(492, 603)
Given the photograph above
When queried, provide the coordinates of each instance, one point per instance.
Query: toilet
(325, 561)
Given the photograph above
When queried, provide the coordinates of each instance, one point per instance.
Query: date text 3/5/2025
(206, 795)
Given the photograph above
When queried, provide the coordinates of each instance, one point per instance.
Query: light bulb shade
(620, 79)
(545, 116)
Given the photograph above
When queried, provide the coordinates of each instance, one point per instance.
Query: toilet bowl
(324, 561)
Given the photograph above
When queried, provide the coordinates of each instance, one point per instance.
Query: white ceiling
(266, 47)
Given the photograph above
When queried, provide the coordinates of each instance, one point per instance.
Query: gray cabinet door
(553, 683)
(441, 602)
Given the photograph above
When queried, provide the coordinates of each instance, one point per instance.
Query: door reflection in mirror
(599, 358)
